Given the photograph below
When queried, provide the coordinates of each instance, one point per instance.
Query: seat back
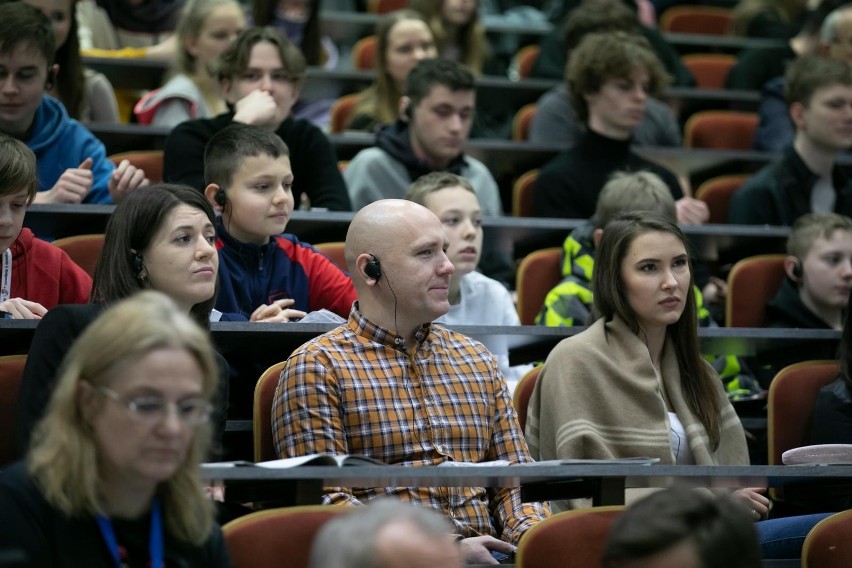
(828, 544)
(364, 53)
(341, 112)
(523, 393)
(522, 121)
(335, 252)
(149, 161)
(792, 396)
(538, 273)
(385, 6)
(11, 370)
(573, 539)
(277, 538)
(84, 250)
(752, 282)
(709, 69)
(523, 61)
(717, 193)
(522, 194)
(720, 130)
(706, 20)
(264, 396)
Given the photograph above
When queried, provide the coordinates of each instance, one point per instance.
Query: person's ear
(797, 114)
(225, 88)
(405, 110)
(87, 401)
(597, 235)
(190, 44)
(212, 193)
(793, 268)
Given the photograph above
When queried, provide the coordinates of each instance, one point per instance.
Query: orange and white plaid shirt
(351, 391)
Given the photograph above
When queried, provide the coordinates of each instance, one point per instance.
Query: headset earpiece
(50, 79)
(373, 268)
(138, 264)
(408, 112)
(220, 198)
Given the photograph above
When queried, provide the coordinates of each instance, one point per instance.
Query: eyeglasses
(152, 410)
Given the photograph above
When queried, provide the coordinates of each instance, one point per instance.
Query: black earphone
(373, 268)
(798, 272)
(408, 112)
(220, 198)
(138, 264)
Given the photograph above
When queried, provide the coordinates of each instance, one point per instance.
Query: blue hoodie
(60, 142)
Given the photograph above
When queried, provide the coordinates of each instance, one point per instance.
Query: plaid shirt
(351, 391)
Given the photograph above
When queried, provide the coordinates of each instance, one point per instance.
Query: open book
(311, 459)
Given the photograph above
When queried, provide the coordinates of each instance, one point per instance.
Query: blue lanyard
(155, 538)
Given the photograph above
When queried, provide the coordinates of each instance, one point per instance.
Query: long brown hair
(470, 37)
(697, 381)
(311, 44)
(381, 99)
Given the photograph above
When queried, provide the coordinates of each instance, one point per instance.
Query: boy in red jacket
(34, 275)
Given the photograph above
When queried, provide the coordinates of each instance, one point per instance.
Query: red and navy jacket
(251, 275)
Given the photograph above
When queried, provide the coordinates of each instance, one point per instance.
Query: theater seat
(752, 282)
(710, 70)
(538, 273)
(717, 193)
(720, 130)
(364, 53)
(264, 396)
(149, 161)
(705, 20)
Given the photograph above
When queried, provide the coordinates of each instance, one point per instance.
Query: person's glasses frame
(153, 410)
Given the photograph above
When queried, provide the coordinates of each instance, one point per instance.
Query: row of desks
(605, 483)
(346, 27)
(269, 343)
(502, 157)
(329, 84)
(515, 236)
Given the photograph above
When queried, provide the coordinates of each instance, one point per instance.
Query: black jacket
(312, 157)
(780, 193)
(32, 526)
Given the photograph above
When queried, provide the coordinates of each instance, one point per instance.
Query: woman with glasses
(112, 476)
(158, 238)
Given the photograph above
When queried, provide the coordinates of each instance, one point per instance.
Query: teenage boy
(436, 114)
(806, 177)
(34, 275)
(776, 131)
(264, 275)
(474, 298)
(261, 74)
(815, 292)
(72, 163)
(611, 76)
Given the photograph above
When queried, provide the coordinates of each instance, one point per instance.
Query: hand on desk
(125, 178)
(277, 312)
(19, 308)
(71, 187)
(477, 549)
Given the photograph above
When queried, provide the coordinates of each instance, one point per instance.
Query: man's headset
(373, 268)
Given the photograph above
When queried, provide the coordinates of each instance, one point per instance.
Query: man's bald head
(380, 225)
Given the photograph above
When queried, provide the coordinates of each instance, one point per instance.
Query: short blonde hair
(636, 191)
(432, 182)
(812, 226)
(63, 457)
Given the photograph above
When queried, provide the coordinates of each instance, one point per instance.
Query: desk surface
(635, 476)
(274, 342)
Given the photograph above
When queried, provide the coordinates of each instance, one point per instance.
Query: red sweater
(46, 274)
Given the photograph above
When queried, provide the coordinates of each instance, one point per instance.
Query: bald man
(390, 385)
